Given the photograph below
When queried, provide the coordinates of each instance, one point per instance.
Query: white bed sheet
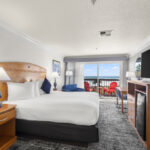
(80, 108)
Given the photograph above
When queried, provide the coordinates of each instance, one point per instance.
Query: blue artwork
(56, 66)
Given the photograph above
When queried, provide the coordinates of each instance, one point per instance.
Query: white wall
(15, 46)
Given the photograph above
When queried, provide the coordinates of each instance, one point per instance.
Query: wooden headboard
(20, 72)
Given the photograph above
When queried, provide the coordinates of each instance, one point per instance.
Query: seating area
(109, 91)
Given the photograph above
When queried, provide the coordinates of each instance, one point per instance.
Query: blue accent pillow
(46, 86)
(69, 87)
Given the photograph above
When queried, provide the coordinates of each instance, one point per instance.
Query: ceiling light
(93, 1)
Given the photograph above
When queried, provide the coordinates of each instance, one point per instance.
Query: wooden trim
(138, 82)
(7, 107)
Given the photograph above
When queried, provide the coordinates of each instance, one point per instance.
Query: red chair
(111, 89)
(87, 87)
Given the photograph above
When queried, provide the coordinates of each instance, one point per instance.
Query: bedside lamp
(69, 73)
(130, 75)
(55, 76)
(3, 77)
(1, 105)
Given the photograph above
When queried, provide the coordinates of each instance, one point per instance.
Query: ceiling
(72, 26)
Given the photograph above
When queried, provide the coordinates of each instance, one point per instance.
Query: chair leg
(117, 100)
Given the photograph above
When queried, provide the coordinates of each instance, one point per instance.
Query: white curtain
(79, 74)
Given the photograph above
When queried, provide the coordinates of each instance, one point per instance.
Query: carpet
(115, 133)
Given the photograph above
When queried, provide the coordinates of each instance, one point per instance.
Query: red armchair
(111, 89)
(87, 87)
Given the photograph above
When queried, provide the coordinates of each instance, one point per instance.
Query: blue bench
(72, 88)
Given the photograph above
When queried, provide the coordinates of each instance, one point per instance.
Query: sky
(104, 69)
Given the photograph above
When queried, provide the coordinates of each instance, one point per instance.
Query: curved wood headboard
(20, 72)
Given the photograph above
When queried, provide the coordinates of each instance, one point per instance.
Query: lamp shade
(3, 75)
(69, 73)
(130, 74)
(55, 75)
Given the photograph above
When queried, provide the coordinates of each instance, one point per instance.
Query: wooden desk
(123, 92)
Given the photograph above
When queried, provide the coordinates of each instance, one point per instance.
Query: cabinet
(7, 126)
(135, 87)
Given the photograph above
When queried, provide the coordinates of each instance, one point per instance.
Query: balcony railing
(101, 84)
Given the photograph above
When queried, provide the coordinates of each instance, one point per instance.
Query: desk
(123, 92)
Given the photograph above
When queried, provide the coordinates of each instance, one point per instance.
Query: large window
(102, 75)
(109, 71)
(90, 74)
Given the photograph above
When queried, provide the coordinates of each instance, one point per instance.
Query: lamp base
(55, 86)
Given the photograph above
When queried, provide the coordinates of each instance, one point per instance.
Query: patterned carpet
(115, 133)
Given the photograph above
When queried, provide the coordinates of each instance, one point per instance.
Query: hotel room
(74, 75)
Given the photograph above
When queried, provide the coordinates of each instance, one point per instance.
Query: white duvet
(80, 108)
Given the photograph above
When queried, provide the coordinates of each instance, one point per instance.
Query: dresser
(135, 87)
(7, 126)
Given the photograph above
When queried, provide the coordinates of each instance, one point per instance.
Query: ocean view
(101, 77)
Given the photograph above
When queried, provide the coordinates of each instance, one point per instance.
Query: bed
(60, 115)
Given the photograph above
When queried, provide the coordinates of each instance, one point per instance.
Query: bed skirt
(58, 131)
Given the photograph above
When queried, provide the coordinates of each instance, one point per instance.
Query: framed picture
(56, 66)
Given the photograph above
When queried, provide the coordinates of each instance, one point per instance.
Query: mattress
(79, 108)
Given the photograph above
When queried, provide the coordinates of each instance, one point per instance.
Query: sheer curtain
(78, 73)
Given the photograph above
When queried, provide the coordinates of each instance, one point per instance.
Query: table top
(6, 107)
(122, 89)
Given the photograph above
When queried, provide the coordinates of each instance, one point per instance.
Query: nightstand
(7, 126)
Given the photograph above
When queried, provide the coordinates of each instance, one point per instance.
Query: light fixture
(1, 105)
(69, 73)
(93, 1)
(130, 74)
(55, 76)
(3, 77)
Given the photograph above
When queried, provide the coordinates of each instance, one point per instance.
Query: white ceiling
(73, 26)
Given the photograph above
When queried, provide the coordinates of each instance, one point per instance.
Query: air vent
(105, 33)
(93, 1)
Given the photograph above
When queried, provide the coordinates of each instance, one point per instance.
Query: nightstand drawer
(7, 116)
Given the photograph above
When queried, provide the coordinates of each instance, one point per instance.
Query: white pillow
(39, 86)
(36, 87)
(17, 91)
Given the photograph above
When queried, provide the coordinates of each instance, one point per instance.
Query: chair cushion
(69, 87)
(79, 90)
